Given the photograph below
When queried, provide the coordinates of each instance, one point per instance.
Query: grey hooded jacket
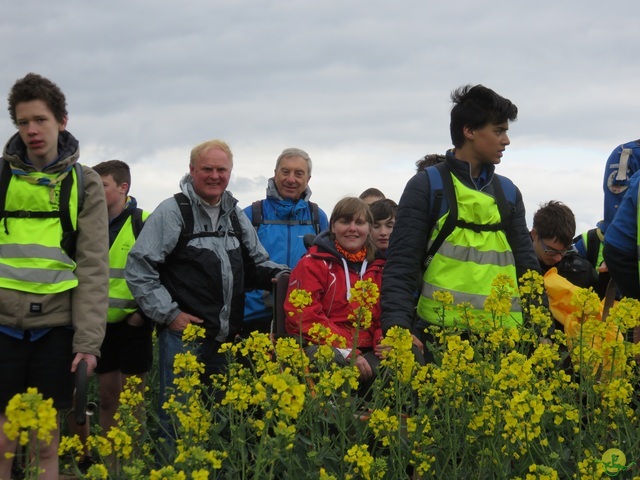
(206, 276)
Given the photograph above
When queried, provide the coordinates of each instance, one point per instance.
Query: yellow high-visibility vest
(467, 262)
(31, 256)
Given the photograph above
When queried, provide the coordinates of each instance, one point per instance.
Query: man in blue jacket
(623, 162)
(621, 243)
(282, 220)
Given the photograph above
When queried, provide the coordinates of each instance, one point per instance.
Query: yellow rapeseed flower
(71, 445)
(326, 476)
(300, 299)
(626, 314)
(365, 292)
(201, 474)
(30, 412)
(445, 298)
(192, 332)
(384, 426)
(359, 456)
(101, 444)
(97, 472)
(320, 334)
(288, 352)
(541, 472)
(399, 357)
(498, 302)
(167, 473)
(122, 444)
(531, 286)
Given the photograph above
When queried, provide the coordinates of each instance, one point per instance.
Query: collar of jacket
(324, 247)
(462, 170)
(15, 152)
(273, 194)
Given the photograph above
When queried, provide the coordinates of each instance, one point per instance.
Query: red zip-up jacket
(321, 272)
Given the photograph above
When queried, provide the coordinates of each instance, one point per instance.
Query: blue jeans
(169, 345)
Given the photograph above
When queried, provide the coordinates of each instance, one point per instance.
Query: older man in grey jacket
(193, 261)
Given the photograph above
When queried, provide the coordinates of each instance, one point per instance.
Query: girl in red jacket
(337, 260)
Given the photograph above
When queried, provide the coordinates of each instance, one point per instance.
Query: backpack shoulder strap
(187, 218)
(5, 178)
(436, 197)
(621, 175)
(593, 246)
(80, 177)
(69, 233)
(235, 224)
(137, 222)
(256, 213)
(258, 219)
(505, 194)
(237, 232)
(65, 197)
(315, 216)
(440, 176)
(188, 224)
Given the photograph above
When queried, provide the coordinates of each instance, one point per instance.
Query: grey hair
(294, 152)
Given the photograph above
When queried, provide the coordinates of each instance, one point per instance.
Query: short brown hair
(349, 208)
(383, 209)
(554, 220)
(117, 169)
(36, 87)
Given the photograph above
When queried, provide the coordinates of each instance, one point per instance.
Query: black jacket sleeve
(519, 239)
(403, 270)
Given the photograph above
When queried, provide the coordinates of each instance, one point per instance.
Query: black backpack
(187, 217)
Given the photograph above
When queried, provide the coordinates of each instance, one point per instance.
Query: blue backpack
(443, 199)
(623, 162)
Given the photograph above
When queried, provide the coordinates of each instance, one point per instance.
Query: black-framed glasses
(552, 252)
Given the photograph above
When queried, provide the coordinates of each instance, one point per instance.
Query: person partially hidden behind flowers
(339, 260)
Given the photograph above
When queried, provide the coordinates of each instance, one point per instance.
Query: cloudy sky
(363, 86)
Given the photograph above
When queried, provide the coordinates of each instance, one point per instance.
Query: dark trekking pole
(82, 382)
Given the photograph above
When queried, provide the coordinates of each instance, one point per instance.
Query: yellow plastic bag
(560, 292)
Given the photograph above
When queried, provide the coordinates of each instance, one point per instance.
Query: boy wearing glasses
(554, 227)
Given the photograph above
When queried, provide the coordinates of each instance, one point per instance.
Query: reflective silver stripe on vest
(466, 254)
(116, 273)
(122, 303)
(33, 250)
(477, 301)
(36, 275)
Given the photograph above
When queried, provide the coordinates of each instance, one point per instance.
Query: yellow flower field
(512, 403)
